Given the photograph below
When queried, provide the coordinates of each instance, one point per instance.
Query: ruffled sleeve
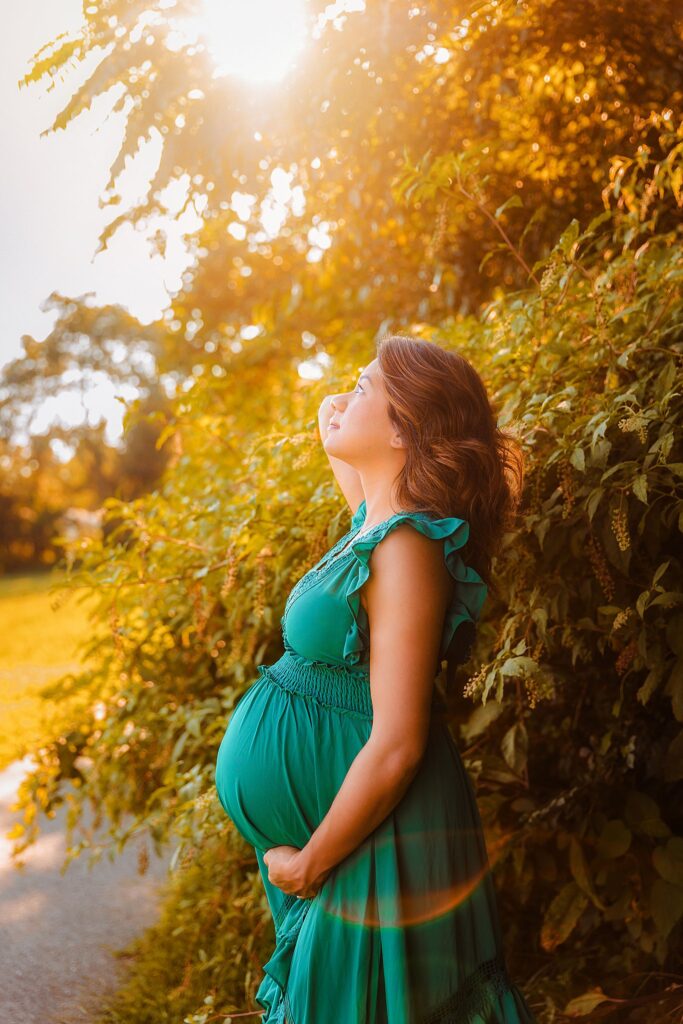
(470, 591)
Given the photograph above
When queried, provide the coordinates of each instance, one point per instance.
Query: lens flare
(257, 40)
(338, 896)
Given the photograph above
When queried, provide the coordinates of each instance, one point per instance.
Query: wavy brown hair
(459, 462)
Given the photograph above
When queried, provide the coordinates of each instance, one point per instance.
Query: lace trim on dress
(338, 551)
(303, 584)
(335, 554)
(307, 580)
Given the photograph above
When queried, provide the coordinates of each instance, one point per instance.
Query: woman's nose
(339, 401)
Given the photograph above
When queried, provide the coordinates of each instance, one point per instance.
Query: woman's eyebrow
(366, 377)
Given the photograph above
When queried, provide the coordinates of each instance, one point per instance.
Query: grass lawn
(39, 645)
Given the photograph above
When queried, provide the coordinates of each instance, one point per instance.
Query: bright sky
(49, 213)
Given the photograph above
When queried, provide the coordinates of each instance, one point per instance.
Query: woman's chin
(333, 447)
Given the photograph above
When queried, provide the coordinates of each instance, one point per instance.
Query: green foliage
(590, 613)
(204, 944)
(577, 674)
(577, 751)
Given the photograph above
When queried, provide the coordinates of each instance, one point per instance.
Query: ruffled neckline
(345, 543)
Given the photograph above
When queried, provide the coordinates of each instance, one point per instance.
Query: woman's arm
(347, 477)
(407, 596)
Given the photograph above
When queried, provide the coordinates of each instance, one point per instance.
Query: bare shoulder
(410, 567)
(407, 597)
(405, 544)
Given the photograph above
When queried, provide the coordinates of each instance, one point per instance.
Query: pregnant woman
(337, 766)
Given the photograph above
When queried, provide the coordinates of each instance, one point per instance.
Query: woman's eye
(357, 389)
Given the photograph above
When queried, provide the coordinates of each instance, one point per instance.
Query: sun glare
(256, 39)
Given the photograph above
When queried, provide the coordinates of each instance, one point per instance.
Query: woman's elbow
(399, 759)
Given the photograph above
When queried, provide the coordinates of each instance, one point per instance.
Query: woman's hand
(287, 870)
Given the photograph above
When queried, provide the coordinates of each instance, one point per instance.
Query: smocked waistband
(334, 686)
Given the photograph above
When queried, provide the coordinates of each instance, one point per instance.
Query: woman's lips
(333, 426)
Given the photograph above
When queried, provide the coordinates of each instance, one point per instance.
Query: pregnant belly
(264, 767)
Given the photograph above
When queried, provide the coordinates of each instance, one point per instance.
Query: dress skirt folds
(405, 929)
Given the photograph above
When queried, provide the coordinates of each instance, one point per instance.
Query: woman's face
(364, 430)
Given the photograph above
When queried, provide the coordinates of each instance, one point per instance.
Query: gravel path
(58, 932)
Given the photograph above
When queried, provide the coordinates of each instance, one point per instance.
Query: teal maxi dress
(405, 929)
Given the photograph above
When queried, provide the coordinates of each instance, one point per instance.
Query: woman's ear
(397, 440)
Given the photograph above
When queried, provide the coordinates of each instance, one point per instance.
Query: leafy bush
(574, 739)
